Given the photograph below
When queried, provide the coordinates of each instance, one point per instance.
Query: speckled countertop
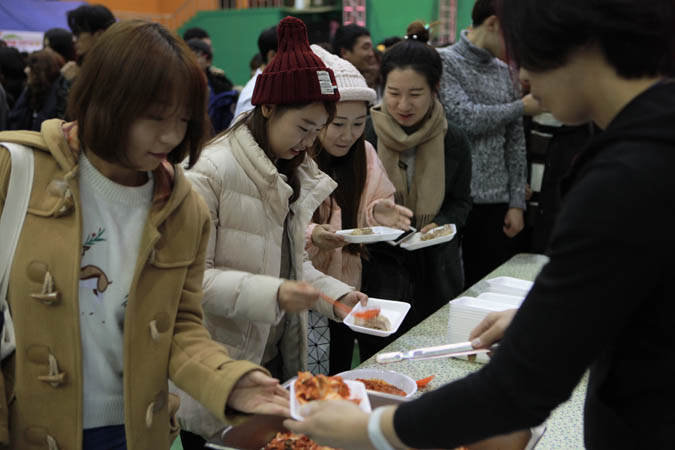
(564, 426)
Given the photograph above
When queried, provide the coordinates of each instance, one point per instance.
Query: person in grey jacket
(481, 96)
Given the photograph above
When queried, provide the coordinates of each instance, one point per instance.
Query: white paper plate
(392, 310)
(537, 434)
(416, 242)
(403, 382)
(380, 234)
(510, 286)
(357, 390)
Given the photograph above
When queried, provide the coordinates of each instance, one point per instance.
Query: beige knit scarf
(426, 194)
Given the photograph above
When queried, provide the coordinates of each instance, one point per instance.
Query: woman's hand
(296, 296)
(429, 227)
(257, 393)
(350, 300)
(326, 239)
(389, 214)
(513, 222)
(336, 423)
(491, 328)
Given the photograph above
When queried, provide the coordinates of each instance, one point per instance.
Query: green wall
(387, 18)
(234, 33)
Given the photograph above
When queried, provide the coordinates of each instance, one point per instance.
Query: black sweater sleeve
(457, 201)
(584, 306)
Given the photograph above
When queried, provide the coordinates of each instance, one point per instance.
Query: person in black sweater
(603, 302)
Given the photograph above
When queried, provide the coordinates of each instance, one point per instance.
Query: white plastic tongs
(440, 351)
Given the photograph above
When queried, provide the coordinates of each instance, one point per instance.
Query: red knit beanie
(295, 76)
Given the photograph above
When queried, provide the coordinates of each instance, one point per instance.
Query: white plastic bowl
(403, 382)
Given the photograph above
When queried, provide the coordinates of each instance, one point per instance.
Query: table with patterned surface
(564, 426)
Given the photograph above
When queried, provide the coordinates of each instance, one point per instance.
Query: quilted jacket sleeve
(231, 293)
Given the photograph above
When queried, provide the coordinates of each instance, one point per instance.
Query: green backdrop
(234, 33)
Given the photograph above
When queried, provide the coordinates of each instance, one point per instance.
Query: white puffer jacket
(248, 201)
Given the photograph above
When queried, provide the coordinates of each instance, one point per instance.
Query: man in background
(197, 33)
(482, 96)
(87, 23)
(222, 95)
(267, 45)
(353, 43)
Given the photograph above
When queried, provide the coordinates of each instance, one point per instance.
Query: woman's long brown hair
(350, 172)
(45, 66)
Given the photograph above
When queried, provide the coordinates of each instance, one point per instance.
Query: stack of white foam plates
(467, 312)
(509, 285)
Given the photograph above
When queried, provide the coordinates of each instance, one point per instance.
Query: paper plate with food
(435, 236)
(369, 235)
(383, 383)
(379, 318)
(292, 441)
(307, 388)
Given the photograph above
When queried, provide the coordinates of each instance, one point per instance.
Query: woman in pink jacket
(364, 196)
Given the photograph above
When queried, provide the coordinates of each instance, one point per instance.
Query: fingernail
(476, 343)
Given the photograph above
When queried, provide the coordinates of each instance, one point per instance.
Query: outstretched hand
(258, 393)
(389, 214)
(336, 423)
(350, 300)
(491, 328)
(325, 238)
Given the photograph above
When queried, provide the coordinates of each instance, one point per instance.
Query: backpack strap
(11, 222)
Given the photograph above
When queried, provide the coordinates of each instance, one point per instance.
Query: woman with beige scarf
(429, 163)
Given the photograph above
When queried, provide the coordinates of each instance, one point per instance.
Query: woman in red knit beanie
(262, 190)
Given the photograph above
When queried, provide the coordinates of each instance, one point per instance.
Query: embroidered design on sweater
(90, 275)
(91, 272)
(93, 239)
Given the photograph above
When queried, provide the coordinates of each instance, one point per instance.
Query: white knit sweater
(113, 217)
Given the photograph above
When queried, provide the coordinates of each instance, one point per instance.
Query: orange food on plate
(424, 381)
(292, 441)
(375, 384)
(368, 313)
(320, 387)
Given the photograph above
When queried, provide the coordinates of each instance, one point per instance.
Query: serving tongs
(439, 351)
